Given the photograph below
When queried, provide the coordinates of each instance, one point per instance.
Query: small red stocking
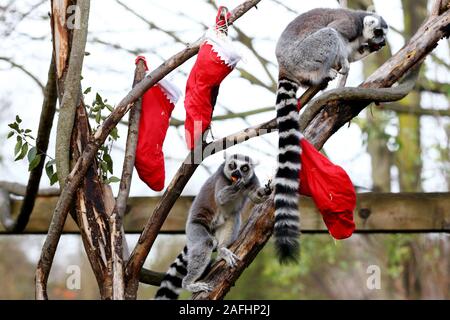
(215, 60)
(331, 189)
(157, 105)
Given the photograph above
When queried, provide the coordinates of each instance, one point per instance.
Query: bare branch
(280, 3)
(24, 70)
(118, 240)
(367, 95)
(415, 111)
(150, 24)
(150, 277)
(20, 189)
(71, 97)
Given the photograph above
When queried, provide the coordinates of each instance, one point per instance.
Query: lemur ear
(371, 9)
(370, 21)
(255, 162)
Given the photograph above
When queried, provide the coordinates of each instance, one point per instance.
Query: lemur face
(374, 32)
(238, 166)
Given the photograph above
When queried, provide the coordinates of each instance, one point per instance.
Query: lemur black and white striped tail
(171, 284)
(287, 219)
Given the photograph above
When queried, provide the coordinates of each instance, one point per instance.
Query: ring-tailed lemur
(312, 50)
(213, 224)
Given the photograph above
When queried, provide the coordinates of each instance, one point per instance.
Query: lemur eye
(232, 166)
(244, 168)
(378, 32)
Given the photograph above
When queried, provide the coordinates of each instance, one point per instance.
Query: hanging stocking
(215, 60)
(157, 105)
(331, 189)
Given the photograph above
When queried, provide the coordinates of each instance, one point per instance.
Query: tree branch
(20, 189)
(24, 70)
(151, 277)
(118, 240)
(150, 24)
(71, 97)
(367, 95)
(415, 111)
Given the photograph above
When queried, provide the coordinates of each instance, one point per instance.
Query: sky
(110, 73)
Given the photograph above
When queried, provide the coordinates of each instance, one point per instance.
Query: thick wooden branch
(118, 240)
(21, 189)
(352, 95)
(414, 212)
(72, 91)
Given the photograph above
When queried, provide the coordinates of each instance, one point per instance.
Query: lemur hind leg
(199, 258)
(200, 247)
(345, 68)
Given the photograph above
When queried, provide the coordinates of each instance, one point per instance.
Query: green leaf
(14, 126)
(10, 134)
(54, 178)
(87, 53)
(32, 154)
(50, 162)
(109, 162)
(18, 145)
(104, 166)
(87, 90)
(49, 170)
(35, 162)
(27, 130)
(98, 117)
(114, 133)
(18, 120)
(23, 152)
(110, 108)
(112, 179)
(98, 99)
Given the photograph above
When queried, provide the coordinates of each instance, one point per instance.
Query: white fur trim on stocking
(224, 47)
(170, 90)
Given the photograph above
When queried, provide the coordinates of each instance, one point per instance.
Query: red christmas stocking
(157, 105)
(331, 189)
(215, 60)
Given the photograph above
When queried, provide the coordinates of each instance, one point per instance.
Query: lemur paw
(345, 67)
(198, 286)
(230, 258)
(268, 188)
(332, 74)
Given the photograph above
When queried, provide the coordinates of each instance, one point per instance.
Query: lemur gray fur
(311, 51)
(213, 224)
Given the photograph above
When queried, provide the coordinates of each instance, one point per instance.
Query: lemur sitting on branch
(213, 224)
(313, 49)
